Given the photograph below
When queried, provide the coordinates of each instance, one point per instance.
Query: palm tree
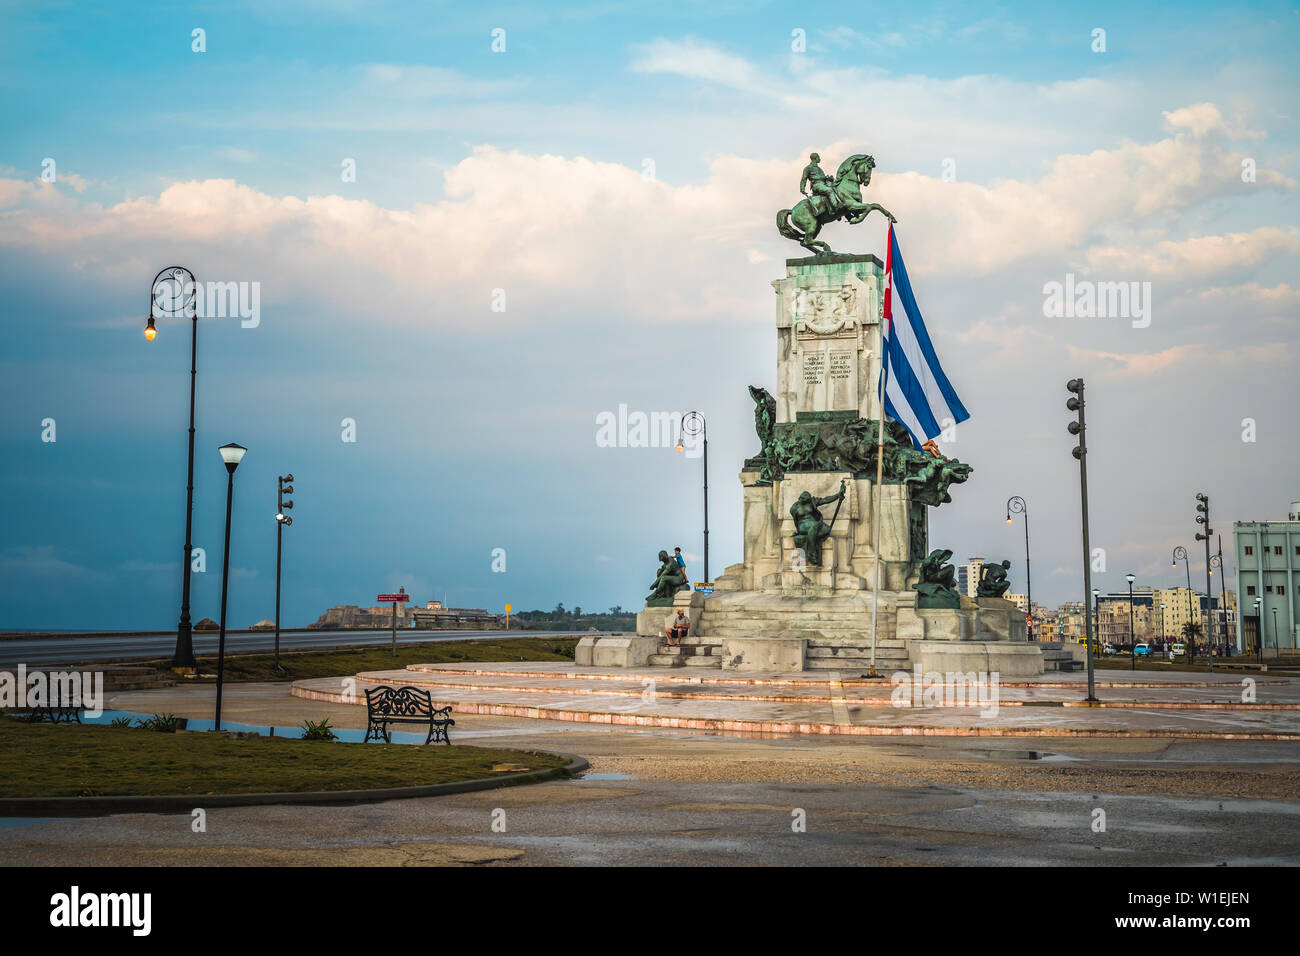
(1192, 631)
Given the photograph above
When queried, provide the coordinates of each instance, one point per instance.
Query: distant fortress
(432, 617)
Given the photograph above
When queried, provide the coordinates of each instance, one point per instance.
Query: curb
(184, 803)
(762, 728)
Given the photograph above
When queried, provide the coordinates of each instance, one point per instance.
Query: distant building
(347, 617)
(1070, 621)
(455, 619)
(1181, 606)
(1045, 628)
(1268, 569)
(968, 576)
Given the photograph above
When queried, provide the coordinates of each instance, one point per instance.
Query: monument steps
(862, 650)
(862, 665)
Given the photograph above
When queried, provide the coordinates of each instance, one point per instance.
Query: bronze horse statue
(805, 220)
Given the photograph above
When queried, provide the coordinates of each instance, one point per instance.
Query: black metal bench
(53, 713)
(404, 705)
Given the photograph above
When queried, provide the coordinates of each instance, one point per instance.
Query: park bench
(404, 705)
(53, 713)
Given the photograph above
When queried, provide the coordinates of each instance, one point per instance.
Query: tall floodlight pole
(693, 424)
(1016, 504)
(1075, 403)
(1203, 518)
(174, 295)
(282, 521)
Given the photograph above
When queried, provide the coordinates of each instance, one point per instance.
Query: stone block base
(1006, 658)
(779, 654)
(607, 651)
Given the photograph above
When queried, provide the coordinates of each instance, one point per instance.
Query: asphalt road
(47, 651)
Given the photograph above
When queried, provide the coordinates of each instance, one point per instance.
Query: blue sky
(523, 171)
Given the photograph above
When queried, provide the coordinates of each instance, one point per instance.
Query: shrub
(162, 723)
(318, 730)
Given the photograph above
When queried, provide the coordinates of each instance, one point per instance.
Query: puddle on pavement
(607, 776)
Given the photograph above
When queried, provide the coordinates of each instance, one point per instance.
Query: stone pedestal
(1000, 620)
(651, 621)
(827, 326)
(757, 654)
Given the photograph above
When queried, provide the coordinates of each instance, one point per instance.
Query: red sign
(385, 598)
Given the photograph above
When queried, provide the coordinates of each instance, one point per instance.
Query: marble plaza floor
(1131, 704)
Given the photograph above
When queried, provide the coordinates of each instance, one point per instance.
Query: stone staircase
(837, 629)
(692, 652)
(1058, 656)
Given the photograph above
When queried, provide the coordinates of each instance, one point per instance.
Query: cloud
(42, 562)
(1142, 364)
(1198, 256)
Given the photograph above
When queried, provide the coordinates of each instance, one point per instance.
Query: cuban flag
(917, 393)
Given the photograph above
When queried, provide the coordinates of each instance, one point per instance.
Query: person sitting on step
(677, 628)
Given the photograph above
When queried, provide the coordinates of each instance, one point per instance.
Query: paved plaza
(1204, 782)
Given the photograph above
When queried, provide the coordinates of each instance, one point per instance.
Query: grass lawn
(75, 760)
(347, 661)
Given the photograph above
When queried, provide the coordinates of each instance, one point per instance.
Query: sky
(475, 229)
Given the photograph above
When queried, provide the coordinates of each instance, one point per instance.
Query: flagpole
(886, 314)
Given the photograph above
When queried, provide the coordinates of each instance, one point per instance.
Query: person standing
(681, 563)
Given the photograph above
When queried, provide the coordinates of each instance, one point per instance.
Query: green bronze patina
(993, 580)
(828, 200)
(826, 442)
(810, 530)
(764, 425)
(669, 579)
(937, 588)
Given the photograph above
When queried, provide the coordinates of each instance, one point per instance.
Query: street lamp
(180, 287)
(693, 424)
(232, 455)
(282, 521)
(1016, 504)
(1132, 637)
(1163, 636)
(1259, 633)
(1075, 403)
(1180, 554)
(1277, 641)
(1096, 608)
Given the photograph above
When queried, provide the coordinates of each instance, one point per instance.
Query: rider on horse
(821, 184)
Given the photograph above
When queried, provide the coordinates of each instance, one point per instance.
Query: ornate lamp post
(173, 295)
(1163, 636)
(1180, 554)
(282, 521)
(1016, 504)
(232, 455)
(693, 424)
(1277, 640)
(1132, 637)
